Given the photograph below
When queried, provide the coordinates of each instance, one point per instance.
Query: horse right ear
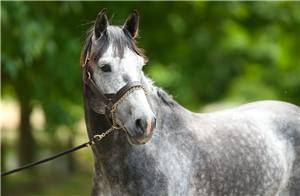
(132, 23)
(101, 23)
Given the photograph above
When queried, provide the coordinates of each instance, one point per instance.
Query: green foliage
(236, 51)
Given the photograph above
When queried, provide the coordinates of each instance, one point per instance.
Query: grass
(78, 183)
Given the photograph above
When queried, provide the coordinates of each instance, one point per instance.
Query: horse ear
(132, 23)
(101, 23)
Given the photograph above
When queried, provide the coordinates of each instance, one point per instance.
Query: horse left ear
(132, 23)
(101, 23)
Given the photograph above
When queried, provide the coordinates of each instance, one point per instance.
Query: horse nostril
(139, 126)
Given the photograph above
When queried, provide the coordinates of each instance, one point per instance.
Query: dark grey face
(113, 68)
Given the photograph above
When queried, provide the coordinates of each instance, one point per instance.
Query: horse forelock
(119, 37)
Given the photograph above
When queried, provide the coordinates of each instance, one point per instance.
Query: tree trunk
(26, 141)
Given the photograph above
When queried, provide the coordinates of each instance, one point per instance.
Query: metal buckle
(89, 77)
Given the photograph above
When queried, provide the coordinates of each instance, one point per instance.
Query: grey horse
(164, 149)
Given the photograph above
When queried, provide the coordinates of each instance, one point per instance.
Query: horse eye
(106, 68)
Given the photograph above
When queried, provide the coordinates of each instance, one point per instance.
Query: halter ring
(114, 107)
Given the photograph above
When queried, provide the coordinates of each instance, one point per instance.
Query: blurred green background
(208, 55)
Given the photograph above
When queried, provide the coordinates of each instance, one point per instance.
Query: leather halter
(105, 98)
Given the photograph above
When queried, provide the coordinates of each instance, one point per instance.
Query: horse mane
(165, 97)
(119, 37)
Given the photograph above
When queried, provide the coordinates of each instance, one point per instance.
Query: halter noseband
(113, 98)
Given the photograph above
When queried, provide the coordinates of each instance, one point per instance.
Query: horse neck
(169, 114)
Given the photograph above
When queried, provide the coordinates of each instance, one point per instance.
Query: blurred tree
(209, 51)
(37, 63)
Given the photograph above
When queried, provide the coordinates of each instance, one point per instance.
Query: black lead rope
(87, 144)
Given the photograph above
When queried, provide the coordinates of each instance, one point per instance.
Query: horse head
(114, 62)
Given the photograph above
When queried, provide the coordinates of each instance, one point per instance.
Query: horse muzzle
(142, 131)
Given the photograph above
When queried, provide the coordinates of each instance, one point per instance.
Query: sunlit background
(208, 55)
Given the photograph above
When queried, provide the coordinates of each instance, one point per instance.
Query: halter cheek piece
(114, 99)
